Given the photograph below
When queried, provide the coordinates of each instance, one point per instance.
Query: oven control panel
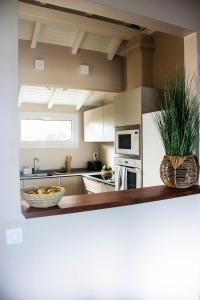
(128, 162)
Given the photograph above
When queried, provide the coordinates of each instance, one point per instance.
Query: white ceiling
(47, 25)
(59, 96)
(41, 24)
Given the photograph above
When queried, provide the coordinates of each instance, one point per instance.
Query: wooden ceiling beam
(78, 107)
(77, 41)
(36, 34)
(113, 47)
(49, 16)
(51, 99)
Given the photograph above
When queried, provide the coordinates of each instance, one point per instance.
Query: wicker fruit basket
(43, 197)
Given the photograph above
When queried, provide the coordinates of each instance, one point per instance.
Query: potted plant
(178, 123)
(106, 171)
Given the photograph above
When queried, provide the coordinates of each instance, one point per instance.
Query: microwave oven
(127, 140)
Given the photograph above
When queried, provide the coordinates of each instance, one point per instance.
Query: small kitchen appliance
(127, 140)
(94, 165)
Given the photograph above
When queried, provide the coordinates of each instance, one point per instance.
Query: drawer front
(93, 186)
(108, 188)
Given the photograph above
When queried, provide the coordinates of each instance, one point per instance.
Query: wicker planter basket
(179, 171)
(43, 200)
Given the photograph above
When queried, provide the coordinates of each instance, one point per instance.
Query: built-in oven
(127, 140)
(128, 173)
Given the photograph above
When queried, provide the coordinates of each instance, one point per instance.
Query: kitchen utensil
(68, 163)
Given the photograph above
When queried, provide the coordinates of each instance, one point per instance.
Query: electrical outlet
(14, 236)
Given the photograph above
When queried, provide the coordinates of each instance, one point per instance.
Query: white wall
(143, 252)
(181, 13)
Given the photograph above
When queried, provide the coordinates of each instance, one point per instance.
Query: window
(49, 130)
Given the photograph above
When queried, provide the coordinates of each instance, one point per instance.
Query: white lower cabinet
(41, 182)
(108, 188)
(93, 186)
(74, 185)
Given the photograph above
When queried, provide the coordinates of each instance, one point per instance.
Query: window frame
(73, 143)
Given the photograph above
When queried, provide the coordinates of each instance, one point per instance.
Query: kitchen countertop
(87, 202)
(55, 173)
(75, 172)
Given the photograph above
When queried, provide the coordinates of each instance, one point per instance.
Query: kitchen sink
(40, 174)
(36, 175)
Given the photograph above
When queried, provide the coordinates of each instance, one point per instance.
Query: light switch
(84, 69)
(39, 64)
(14, 236)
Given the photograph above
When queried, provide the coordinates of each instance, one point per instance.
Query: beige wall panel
(147, 67)
(134, 69)
(150, 100)
(127, 108)
(168, 55)
(62, 68)
(106, 153)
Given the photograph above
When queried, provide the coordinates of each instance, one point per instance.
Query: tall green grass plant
(178, 119)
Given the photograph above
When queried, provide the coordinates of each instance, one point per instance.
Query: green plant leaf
(178, 118)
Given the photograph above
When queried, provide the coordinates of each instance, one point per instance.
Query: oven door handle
(133, 170)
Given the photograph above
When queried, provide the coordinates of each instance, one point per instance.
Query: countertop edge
(81, 203)
(83, 174)
(71, 174)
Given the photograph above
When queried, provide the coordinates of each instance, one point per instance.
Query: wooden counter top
(87, 202)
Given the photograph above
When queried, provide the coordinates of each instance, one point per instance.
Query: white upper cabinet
(108, 125)
(93, 125)
(99, 124)
(97, 120)
(88, 126)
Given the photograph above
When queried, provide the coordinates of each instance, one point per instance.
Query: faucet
(35, 164)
